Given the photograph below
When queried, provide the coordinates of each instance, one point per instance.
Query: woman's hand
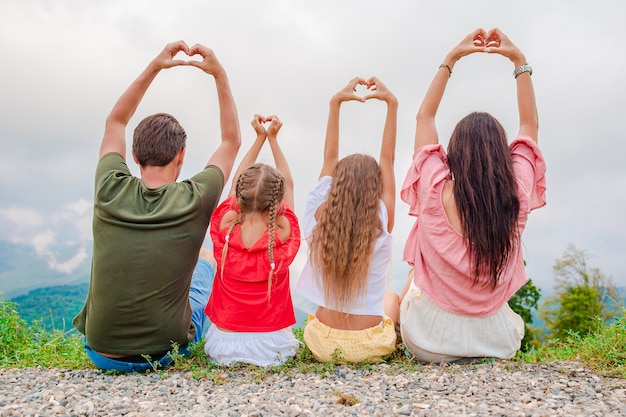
(476, 41)
(499, 43)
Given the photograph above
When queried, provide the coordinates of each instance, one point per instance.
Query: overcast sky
(65, 63)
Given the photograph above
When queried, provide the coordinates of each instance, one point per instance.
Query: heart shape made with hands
(363, 90)
(265, 121)
(182, 56)
(487, 39)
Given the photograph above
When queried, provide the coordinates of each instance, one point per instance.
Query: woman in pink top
(471, 205)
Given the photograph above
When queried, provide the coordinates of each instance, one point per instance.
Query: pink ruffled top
(438, 253)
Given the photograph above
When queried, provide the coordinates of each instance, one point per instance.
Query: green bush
(15, 333)
(601, 349)
(25, 345)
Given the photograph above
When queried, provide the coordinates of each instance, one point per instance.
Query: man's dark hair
(157, 139)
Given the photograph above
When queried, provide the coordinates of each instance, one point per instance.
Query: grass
(603, 350)
(23, 346)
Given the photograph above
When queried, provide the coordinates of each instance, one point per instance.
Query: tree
(523, 302)
(582, 294)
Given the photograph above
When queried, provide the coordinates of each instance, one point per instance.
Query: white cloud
(41, 242)
(22, 218)
(80, 207)
(52, 234)
(69, 265)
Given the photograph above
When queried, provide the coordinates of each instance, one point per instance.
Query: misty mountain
(55, 307)
(22, 270)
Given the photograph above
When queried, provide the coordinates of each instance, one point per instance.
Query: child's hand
(380, 91)
(257, 125)
(347, 93)
(275, 125)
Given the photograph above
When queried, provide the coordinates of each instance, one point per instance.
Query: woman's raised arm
(426, 130)
(528, 118)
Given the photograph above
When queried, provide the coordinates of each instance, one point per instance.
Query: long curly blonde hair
(260, 188)
(342, 242)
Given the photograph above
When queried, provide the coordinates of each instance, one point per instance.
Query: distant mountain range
(21, 270)
(55, 307)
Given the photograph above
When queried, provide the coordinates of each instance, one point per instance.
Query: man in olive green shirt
(150, 276)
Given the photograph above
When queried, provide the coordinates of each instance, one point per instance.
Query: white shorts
(257, 348)
(432, 334)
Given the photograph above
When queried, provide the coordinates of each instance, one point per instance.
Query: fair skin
(255, 224)
(494, 41)
(114, 139)
(379, 91)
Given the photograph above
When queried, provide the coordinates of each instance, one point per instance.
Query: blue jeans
(201, 283)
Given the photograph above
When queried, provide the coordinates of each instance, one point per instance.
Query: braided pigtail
(260, 189)
(227, 239)
(238, 189)
(276, 190)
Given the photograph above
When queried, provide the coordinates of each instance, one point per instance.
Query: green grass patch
(603, 350)
(24, 345)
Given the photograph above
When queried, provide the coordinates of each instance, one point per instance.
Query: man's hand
(166, 58)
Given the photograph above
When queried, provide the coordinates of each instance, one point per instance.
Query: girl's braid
(276, 190)
(239, 186)
(227, 239)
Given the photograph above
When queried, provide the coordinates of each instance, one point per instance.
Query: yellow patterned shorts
(341, 346)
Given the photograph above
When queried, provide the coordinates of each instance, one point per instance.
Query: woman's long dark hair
(485, 193)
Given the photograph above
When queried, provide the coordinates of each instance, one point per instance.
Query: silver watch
(523, 68)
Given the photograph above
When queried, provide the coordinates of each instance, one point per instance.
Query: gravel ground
(498, 388)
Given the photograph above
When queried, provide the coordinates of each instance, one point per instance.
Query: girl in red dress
(255, 236)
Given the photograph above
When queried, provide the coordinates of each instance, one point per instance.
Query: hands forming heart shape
(376, 89)
(183, 56)
(487, 39)
(259, 123)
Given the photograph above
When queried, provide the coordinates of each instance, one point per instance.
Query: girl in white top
(347, 224)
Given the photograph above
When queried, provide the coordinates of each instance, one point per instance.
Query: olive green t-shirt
(145, 247)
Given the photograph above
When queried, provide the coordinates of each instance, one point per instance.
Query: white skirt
(257, 348)
(432, 334)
